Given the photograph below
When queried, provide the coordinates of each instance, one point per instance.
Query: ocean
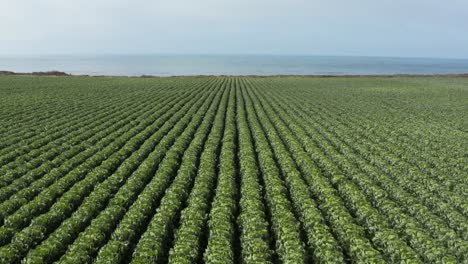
(170, 65)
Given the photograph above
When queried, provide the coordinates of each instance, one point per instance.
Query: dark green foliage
(229, 170)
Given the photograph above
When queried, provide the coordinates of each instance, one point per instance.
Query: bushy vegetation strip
(227, 169)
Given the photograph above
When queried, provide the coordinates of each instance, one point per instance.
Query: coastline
(64, 74)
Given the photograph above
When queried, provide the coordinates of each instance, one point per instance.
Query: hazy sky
(421, 28)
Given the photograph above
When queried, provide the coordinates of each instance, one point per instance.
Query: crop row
(233, 170)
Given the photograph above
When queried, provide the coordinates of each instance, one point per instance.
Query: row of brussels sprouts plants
(416, 240)
(439, 187)
(433, 150)
(222, 217)
(385, 237)
(409, 149)
(453, 184)
(120, 237)
(295, 144)
(413, 156)
(366, 215)
(35, 108)
(78, 144)
(444, 210)
(32, 158)
(349, 233)
(24, 195)
(435, 184)
(58, 151)
(153, 174)
(407, 180)
(422, 154)
(285, 228)
(437, 227)
(93, 204)
(68, 117)
(253, 222)
(155, 242)
(369, 138)
(20, 144)
(22, 122)
(456, 187)
(48, 136)
(15, 121)
(31, 110)
(32, 175)
(320, 240)
(74, 169)
(105, 110)
(434, 187)
(84, 187)
(60, 209)
(23, 176)
(191, 228)
(86, 159)
(437, 146)
(28, 133)
(152, 186)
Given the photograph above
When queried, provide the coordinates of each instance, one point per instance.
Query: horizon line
(33, 55)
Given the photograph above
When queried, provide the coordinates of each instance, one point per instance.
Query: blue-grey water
(169, 65)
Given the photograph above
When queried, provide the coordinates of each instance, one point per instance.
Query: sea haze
(169, 65)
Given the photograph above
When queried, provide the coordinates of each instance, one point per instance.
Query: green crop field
(233, 170)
